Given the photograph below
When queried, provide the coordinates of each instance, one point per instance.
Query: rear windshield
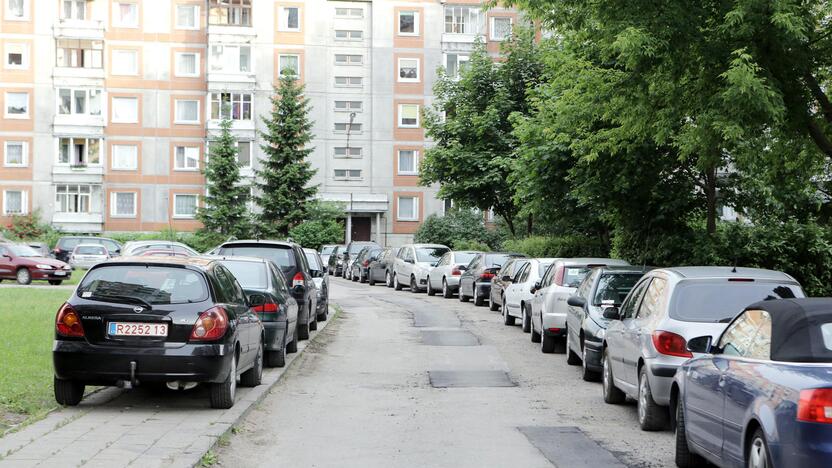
(721, 301)
(464, 258)
(430, 254)
(91, 250)
(355, 248)
(282, 256)
(71, 242)
(250, 275)
(494, 260)
(328, 249)
(143, 285)
(572, 276)
(614, 287)
(312, 260)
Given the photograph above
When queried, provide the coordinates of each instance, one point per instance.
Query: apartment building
(108, 106)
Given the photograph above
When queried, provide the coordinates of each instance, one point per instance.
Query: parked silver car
(410, 270)
(137, 247)
(647, 340)
(518, 295)
(320, 275)
(445, 275)
(88, 255)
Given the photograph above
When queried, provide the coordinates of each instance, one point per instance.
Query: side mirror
(433, 264)
(324, 270)
(612, 313)
(255, 300)
(462, 268)
(409, 260)
(535, 287)
(506, 278)
(700, 344)
(576, 301)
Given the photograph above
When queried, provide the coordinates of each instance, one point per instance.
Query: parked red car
(25, 264)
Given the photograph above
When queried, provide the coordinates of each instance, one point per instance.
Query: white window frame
(73, 110)
(250, 153)
(73, 14)
(87, 141)
(114, 204)
(228, 60)
(349, 82)
(357, 127)
(348, 152)
(8, 16)
(399, 216)
(234, 98)
(415, 23)
(348, 106)
(118, 21)
(491, 28)
(401, 116)
(24, 202)
(349, 12)
(349, 62)
(185, 151)
(135, 68)
(418, 71)
(283, 20)
(176, 118)
(16, 116)
(185, 216)
(179, 73)
(350, 33)
(24, 53)
(348, 174)
(70, 193)
(130, 119)
(399, 169)
(280, 58)
(114, 150)
(194, 9)
(24, 153)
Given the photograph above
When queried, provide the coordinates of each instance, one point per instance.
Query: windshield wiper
(126, 299)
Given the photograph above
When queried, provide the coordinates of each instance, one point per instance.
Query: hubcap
(642, 399)
(757, 454)
(445, 288)
(23, 274)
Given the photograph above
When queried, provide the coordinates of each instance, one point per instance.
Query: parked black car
(353, 249)
(65, 245)
(320, 274)
(381, 269)
(501, 280)
(289, 257)
(361, 265)
(279, 311)
(169, 320)
(475, 281)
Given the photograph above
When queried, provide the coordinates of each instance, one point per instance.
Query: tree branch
(819, 137)
(819, 95)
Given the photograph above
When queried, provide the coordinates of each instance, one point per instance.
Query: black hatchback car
(361, 265)
(171, 320)
(475, 282)
(289, 257)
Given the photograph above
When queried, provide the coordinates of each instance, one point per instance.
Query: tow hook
(134, 382)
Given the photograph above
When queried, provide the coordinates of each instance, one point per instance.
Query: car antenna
(734, 270)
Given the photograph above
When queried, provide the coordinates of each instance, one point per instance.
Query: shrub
(31, 228)
(456, 226)
(314, 234)
(561, 246)
(470, 245)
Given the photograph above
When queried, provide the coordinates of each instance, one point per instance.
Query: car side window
(654, 298)
(224, 292)
(547, 276)
(279, 282)
(583, 289)
(3, 251)
(233, 291)
(748, 336)
(628, 308)
(523, 275)
(303, 263)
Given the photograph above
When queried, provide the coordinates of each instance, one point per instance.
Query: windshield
(312, 260)
(90, 250)
(281, 256)
(430, 254)
(22, 250)
(572, 276)
(144, 285)
(328, 249)
(463, 258)
(250, 275)
(614, 287)
(494, 260)
(355, 248)
(720, 301)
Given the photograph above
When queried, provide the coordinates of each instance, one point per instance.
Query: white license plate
(137, 329)
(60, 273)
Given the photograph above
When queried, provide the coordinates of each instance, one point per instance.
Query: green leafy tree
(224, 211)
(284, 188)
(457, 227)
(321, 226)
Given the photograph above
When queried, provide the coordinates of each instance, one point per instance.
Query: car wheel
(430, 290)
(321, 317)
(223, 393)
(526, 320)
(313, 325)
(24, 276)
(303, 327)
(292, 347)
(479, 301)
(253, 376)
(612, 394)
(370, 280)
(462, 296)
(388, 279)
(508, 319)
(685, 458)
(492, 306)
(572, 357)
(413, 287)
(68, 392)
(758, 455)
(276, 358)
(446, 291)
(587, 374)
(651, 416)
(396, 285)
(353, 278)
(55, 282)
(535, 335)
(547, 343)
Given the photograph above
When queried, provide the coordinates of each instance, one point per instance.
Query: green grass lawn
(76, 277)
(28, 316)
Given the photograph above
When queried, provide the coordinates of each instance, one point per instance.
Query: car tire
(508, 319)
(388, 279)
(525, 320)
(479, 301)
(758, 454)
(254, 376)
(413, 287)
(462, 297)
(430, 290)
(323, 315)
(55, 282)
(396, 285)
(547, 343)
(612, 394)
(24, 276)
(68, 392)
(223, 393)
(353, 278)
(276, 358)
(292, 346)
(651, 416)
(370, 280)
(684, 458)
(572, 357)
(313, 325)
(446, 291)
(303, 329)
(587, 374)
(492, 306)
(535, 335)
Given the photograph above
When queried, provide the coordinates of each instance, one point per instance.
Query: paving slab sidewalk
(140, 427)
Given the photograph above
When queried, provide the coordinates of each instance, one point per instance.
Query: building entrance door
(361, 229)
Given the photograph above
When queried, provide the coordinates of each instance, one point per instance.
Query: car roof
(592, 261)
(196, 261)
(90, 245)
(263, 242)
(236, 258)
(708, 272)
(624, 269)
(306, 250)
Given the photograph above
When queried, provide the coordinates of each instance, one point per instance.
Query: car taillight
(68, 323)
(456, 271)
(670, 344)
(815, 405)
(297, 280)
(267, 307)
(210, 325)
(486, 276)
(366, 263)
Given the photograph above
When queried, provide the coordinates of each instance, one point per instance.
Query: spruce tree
(224, 211)
(285, 172)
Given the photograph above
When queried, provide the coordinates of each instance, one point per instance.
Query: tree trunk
(509, 222)
(529, 224)
(710, 199)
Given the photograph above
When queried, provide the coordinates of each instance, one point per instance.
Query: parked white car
(88, 255)
(548, 306)
(414, 261)
(445, 275)
(518, 294)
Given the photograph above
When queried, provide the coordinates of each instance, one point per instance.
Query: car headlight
(600, 333)
(42, 266)
(67, 267)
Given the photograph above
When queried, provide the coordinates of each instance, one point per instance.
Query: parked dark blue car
(762, 395)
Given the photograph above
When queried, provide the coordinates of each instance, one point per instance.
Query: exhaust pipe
(179, 385)
(134, 382)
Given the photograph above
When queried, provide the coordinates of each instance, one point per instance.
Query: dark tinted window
(152, 284)
(614, 287)
(284, 257)
(279, 282)
(463, 258)
(90, 250)
(251, 275)
(628, 309)
(722, 300)
(355, 248)
(429, 254)
(68, 243)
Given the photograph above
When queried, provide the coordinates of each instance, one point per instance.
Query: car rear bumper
(106, 365)
(660, 375)
(483, 288)
(87, 264)
(557, 321)
(812, 447)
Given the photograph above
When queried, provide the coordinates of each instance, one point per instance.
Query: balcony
(83, 125)
(78, 222)
(79, 29)
(358, 202)
(77, 174)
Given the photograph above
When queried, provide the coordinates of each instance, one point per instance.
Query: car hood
(40, 260)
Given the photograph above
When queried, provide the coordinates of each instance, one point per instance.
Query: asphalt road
(372, 390)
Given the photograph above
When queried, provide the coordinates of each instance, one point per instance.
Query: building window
(187, 16)
(187, 111)
(186, 158)
(125, 62)
(79, 151)
(17, 10)
(17, 105)
(500, 28)
(289, 19)
(408, 115)
(447, 205)
(347, 174)
(454, 63)
(184, 206)
(74, 9)
(343, 127)
(349, 12)
(79, 53)
(462, 20)
(17, 56)
(408, 70)
(408, 209)
(231, 58)
(408, 23)
(234, 106)
(125, 110)
(126, 15)
(125, 157)
(229, 12)
(123, 204)
(348, 81)
(348, 106)
(289, 64)
(348, 152)
(79, 101)
(408, 162)
(14, 154)
(348, 35)
(187, 64)
(14, 202)
(73, 198)
(349, 59)
(244, 154)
